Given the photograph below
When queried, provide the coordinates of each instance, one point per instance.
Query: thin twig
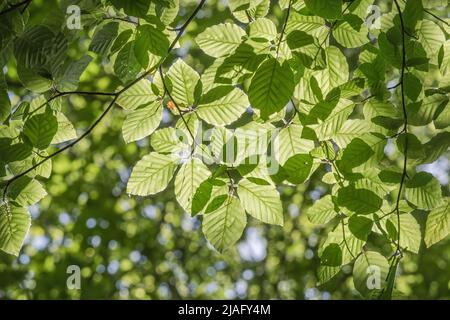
(284, 26)
(13, 7)
(436, 17)
(66, 93)
(122, 19)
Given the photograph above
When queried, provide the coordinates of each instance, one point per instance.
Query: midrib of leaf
(269, 93)
(225, 221)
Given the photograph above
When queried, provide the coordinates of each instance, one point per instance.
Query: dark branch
(437, 17)
(13, 7)
(166, 91)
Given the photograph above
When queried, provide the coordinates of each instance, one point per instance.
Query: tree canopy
(225, 149)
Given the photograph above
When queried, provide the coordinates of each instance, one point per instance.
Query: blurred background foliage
(141, 248)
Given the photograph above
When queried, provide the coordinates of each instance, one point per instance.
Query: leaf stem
(166, 91)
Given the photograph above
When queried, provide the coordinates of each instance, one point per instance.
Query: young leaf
(370, 272)
(322, 211)
(271, 87)
(142, 121)
(14, 225)
(139, 94)
(325, 8)
(26, 192)
(66, 130)
(41, 129)
(359, 201)
(126, 66)
(220, 40)
(149, 40)
(224, 226)
(289, 142)
(222, 105)
(261, 201)
(188, 180)
(151, 174)
(424, 191)
(438, 224)
(183, 81)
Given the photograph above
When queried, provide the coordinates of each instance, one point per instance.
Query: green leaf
(26, 192)
(149, 39)
(431, 37)
(362, 153)
(14, 225)
(351, 129)
(121, 40)
(351, 33)
(5, 105)
(359, 201)
(183, 81)
(41, 129)
(436, 147)
(325, 8)
(289, 142)
(224, 226)
(271, 87)
(37, 80)
(313, 25)
(423, 191)
(142, 121)
(298, 168)
(415, 148)
(103, 38)
(438, 224)
(220, 40)
(222, 105)
(68, 76)
(350, 245)
(410, 234)
(360, 227)
(412, 13)
(151, 174)
(188, 180)
(331, 256)
(126, 66)
(167, 140)
(370, 272)
(330, 118)
(34, 47)
(413, 86)
(138, 95)
(248, 10)
(423, 112)
(262, 28)
(135, 8)
(261, 201)
(322, 211)
(66, 130)
(336, 71)
(297, 39)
